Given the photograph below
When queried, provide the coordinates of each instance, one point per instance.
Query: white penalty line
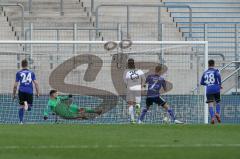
(118, 146)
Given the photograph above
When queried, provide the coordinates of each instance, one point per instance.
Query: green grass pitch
(119, 141)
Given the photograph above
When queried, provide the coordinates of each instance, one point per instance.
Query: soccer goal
(92, 71)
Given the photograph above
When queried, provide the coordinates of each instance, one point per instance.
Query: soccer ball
(166, 120)
(138, 109)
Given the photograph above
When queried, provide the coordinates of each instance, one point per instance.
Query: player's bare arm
(36, 87)
(15, 89)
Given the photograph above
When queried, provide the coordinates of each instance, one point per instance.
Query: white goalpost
(93, 74)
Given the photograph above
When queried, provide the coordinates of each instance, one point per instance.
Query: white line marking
(117, 146)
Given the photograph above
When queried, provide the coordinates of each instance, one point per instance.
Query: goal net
(92, 71)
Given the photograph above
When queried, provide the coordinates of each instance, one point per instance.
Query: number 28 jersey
(212, 80)
(25, 77)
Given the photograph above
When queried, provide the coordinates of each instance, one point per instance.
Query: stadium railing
(202, 2)
(127, 6)
(74, 30)
(216, 21)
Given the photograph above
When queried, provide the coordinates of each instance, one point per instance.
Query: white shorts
(133, 96)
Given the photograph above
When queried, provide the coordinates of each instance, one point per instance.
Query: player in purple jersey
(25, 79)
(155, 83)
(211, 78)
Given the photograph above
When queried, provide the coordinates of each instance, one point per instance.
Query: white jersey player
(134, 79)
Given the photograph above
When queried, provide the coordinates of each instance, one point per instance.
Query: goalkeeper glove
(45, 117)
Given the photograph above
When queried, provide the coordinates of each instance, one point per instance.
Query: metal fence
(223, 38)
(126, 12)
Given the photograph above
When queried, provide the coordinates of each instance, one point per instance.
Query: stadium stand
(216, 21)
(219, 18)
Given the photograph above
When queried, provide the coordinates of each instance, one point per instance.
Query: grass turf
(119, 141)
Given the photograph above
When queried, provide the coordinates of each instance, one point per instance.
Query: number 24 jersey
(25, 77)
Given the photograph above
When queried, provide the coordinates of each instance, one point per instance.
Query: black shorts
(213, 98)
(158, 100)
(25, 97)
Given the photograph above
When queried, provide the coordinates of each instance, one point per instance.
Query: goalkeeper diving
(63, 107)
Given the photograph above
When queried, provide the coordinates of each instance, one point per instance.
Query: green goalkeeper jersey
(62, 107)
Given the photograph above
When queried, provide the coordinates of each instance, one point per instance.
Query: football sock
(144, 111)
(211, 111)
(218, 108)
(170, 112)
(29, 107)
(21, 114)
(26, 105)
(131, 112)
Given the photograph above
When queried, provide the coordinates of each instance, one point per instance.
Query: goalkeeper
(63, 106)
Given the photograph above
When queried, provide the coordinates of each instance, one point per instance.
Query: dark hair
(158, 68)
(52, 92)
(211, 63)
(131, 64)
(24, 63)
